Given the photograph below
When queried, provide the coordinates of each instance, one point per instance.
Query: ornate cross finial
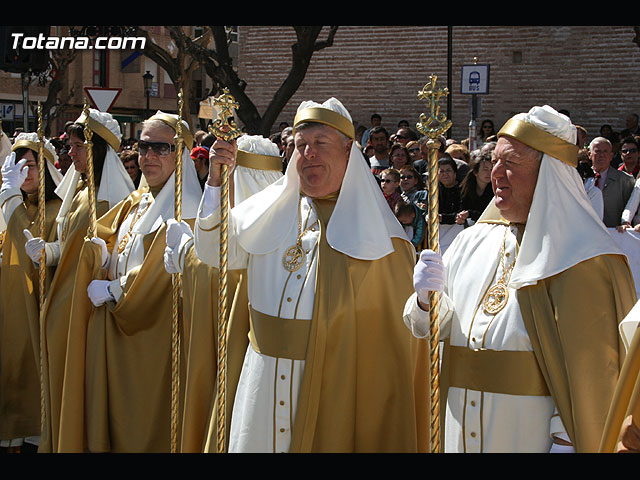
(225, 103)
(431, 93)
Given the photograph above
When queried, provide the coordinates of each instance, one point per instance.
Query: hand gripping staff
(223, 127)
(433, 126)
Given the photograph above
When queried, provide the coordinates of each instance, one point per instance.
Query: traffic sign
(103, 98)
(475, 79)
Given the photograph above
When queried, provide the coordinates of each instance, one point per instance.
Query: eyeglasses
(159, 148)
(407, 177)
(629, 150)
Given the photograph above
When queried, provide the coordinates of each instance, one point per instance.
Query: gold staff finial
(433, 126)
(436, 123)
(223, 127)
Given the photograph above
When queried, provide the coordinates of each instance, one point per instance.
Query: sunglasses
(159, 148)
(387, 180)
(629, 150)
(407, 177)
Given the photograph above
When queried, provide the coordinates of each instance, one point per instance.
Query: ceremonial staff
(177, 281)
(433, 126)
(42, 266)
(88, 136)
(223, 127)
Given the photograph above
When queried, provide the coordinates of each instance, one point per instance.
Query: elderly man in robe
(328, 367)
(531, 297)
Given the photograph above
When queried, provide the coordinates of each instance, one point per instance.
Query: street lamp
(147, 78)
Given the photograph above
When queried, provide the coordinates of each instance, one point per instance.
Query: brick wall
(591, 71)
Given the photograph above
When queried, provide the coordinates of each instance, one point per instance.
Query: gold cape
(365, 386)
(20, 412)
(117, 395)
(572, 320)
(626, 398)
(56, 312)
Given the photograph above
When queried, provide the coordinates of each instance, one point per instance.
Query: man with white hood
(119, 398)
(531, 297)
(328, 367)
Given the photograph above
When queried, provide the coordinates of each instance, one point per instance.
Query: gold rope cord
(88, 136)
(224, 127)
(177, 287)
(432, 95)
(42, 266)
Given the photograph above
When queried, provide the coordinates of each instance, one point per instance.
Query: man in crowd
(630, 156)
(616, 185)
(379, 138)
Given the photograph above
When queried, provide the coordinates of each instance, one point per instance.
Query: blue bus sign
(475, 79)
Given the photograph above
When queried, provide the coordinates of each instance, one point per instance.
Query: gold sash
(279, 337)
(505, 371)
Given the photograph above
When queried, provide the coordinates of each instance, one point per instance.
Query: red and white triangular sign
(103, 98)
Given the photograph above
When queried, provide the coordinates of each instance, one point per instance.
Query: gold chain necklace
(294, 256)
(497, 296)
(125, 239)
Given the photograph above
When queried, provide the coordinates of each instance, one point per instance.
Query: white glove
(33, 246)
(99, 292)
(13, 175)
(105, 252)
(179, 236)
(428, 275)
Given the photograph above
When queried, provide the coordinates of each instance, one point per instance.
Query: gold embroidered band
(258, 161)
(541, 141)
(35, 146)
(327, 117)
(278, 337)
(100, 130)
(173, 123)
(506, 371)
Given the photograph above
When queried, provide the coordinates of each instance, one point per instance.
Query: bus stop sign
(475, 79)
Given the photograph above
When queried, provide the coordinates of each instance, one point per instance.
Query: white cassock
(265, 404)
(483, 421)
(263, 413)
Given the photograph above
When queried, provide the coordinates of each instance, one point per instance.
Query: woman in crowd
(475, 191)
(487, 130)
(448, 191)
(411, 187)
(399, 156)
